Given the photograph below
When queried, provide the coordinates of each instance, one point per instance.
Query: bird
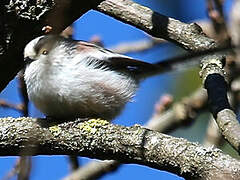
(68, 79)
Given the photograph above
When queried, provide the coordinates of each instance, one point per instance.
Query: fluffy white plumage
(66, 83)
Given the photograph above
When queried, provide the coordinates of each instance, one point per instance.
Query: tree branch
(214, 81)
(102, 140)
(188, 36)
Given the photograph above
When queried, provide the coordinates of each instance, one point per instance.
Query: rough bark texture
(188, 36)
(212, 67)
(102, 140)
(230, 127)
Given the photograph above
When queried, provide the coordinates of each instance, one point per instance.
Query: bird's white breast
(64, 87)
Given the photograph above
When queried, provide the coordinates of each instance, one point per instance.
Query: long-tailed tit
(70, 79)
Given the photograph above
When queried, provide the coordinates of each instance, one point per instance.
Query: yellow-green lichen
(92, 125)
(97, 122)
(15, 119)
(55, 130)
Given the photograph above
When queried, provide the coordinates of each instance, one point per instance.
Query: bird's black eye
(28, 60)
(45, 52)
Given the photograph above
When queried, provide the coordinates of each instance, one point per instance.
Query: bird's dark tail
(172, 65)
(179, 63)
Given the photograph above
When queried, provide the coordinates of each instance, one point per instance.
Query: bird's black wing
(115, 61)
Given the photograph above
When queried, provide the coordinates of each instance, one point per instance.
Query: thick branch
(102, 140)
(188, 36)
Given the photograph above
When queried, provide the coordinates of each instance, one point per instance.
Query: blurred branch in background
(4, 104)
(25, 162)
(22, 168)
(73, 161)
(234, 28)
(137, 46)
(23, 94)
(180, 114)
(213, 136)
(68, 32)
(94, 170)
(216, 15)
(25, 166)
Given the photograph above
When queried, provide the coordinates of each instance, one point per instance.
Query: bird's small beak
(28, 60)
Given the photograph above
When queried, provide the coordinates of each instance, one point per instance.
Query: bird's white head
(29, 50)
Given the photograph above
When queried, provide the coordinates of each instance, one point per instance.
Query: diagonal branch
(93, 170)
(181, 114)
(188, 36)
(214, 81)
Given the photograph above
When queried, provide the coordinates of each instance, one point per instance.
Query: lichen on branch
(100, 139)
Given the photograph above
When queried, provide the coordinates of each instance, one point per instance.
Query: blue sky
(113, 32)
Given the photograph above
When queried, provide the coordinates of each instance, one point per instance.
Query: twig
(235, 28)
(163, 104)
(213, 135)
(21, 168)
(5, 104)
(23, 93)
(13, 171)
(93, 170)
(215, 12)
(25, 161)
(96, 40)
(138, 46)
(68, 32)
(25, 165)
(73, 161)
